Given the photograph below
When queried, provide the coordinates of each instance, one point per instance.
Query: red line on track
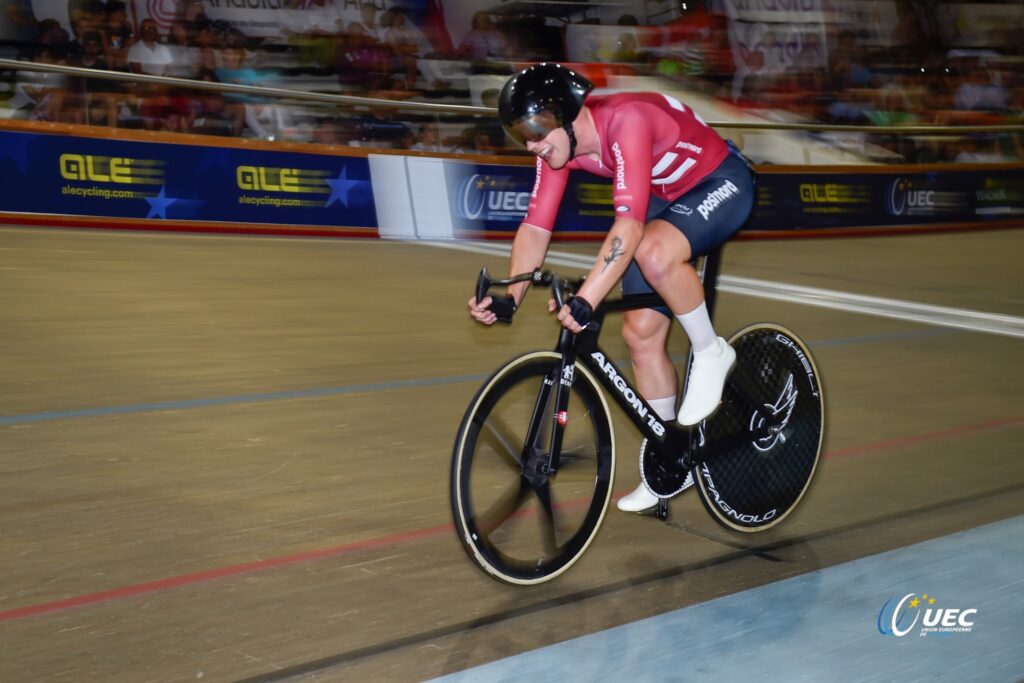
(222, 572)
(906, 441)
(420, 534)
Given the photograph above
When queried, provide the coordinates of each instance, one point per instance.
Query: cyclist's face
(552, 148)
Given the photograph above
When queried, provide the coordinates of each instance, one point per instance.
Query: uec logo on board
(491, 198)
(905, 200)
(899, 618)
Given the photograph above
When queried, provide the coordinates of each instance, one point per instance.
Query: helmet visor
(533, 127)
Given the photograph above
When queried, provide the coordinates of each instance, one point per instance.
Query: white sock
(699, 329)
(665, 408)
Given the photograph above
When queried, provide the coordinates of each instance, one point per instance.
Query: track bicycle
(534, 459)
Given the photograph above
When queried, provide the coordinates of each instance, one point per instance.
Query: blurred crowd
(833, 77)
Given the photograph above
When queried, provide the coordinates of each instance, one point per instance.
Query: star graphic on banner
(158, 204)
(340, 187)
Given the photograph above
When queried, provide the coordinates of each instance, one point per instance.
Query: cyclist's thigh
(716, 207)
(633, 281)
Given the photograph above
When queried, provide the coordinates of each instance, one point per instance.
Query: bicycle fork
(541, 461)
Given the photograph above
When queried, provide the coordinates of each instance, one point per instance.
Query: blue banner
(495, 198)
(128, 179)
(314, 193)
(896, 198)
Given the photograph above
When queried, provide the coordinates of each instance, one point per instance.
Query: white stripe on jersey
(665, 162)
(673, 102)
(683, 168)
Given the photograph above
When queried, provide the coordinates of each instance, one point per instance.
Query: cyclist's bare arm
(616, 253)
(528, 251)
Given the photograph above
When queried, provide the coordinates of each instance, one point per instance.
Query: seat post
(709, 277)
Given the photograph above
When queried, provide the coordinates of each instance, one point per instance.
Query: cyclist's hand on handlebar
(490, 310)
(576, 314)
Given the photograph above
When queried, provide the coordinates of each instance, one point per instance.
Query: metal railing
(443, 109)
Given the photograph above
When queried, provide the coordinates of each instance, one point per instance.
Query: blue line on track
(820, 626)
(247, 398)
(366, 388)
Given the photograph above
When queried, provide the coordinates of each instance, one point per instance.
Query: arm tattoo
(616, 252)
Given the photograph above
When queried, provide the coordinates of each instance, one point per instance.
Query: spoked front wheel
(519, 522)
(758, 452)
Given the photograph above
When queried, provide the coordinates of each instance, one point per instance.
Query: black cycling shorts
(708, 215)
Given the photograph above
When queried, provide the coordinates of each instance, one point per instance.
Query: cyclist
(679, 191)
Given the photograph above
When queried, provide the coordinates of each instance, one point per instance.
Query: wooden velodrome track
(227, 458)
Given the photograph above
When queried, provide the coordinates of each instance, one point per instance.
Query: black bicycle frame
(583, 348)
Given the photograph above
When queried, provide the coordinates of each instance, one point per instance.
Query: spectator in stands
(369, 26)
(909, 38)
(157, 107)
(90, 16)
(848, 64)
(78, 28)
(183, 39)
(362, 62)
(269, 121)
(94, 99)
(978, 149)
(39, 96)
(92, 56)
(234, 70)
(486, 136)
(149, 55)
(17, 27)
(430, 139)
(401, 43)
(117, 36)
(210, 117)
(484, 42)
(774, 58)
(626, 49)
(101, 111)
(979, 91)
(53, 36)
(312, 28)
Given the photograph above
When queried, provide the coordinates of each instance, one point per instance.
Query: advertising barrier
(151, 182)
(64, 179)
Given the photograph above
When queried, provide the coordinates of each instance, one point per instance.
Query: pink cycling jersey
(650, 144)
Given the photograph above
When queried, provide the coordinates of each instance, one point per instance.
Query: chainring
(663, 474)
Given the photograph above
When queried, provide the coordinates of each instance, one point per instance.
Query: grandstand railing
(416, 112)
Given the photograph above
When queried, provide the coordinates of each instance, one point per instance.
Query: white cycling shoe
(642, 500)
(707, 378)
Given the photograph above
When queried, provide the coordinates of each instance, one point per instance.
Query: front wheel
(759, 451)
(519, 522)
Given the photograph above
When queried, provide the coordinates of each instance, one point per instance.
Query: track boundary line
(401, 538)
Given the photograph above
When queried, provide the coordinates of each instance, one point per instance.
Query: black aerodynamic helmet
(541, 98)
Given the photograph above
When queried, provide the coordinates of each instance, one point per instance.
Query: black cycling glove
(581, 310)
(503, 307)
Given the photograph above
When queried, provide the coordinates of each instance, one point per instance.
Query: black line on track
(741, 552)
